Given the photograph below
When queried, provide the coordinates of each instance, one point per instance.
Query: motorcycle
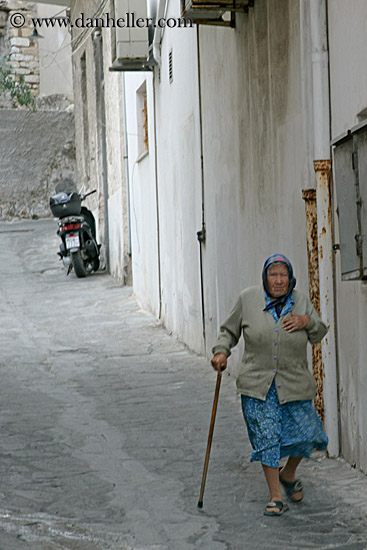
(77, 231)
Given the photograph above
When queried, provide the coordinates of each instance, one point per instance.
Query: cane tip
(200, 504)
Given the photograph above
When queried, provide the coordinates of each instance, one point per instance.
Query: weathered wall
(120, 262)
(348, 56)
(4, 39)
(100, 137)
(253, 152)
(36, 148)
(24, 54)
(36, 152)
(88, 151)
(44, 64)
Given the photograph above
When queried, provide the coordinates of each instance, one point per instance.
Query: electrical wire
(53, 54)
(82, 37)
(88, 32)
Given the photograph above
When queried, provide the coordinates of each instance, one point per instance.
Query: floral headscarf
(279, 302)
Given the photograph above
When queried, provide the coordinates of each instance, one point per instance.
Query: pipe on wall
(320, 79)
(128, 248)
(202, 233)
(326, 271)
(157, 199)
(158, 33)
(322, 167)
(309, 196)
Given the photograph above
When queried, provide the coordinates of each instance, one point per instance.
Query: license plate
(72, 241)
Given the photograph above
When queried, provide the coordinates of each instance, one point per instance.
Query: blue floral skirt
(276, 431)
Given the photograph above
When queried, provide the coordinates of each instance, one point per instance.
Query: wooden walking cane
(210, 437)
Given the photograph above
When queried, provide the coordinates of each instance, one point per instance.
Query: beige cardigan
(271, 351)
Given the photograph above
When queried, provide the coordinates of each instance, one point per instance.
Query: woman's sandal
(275, 504)
(292, 487)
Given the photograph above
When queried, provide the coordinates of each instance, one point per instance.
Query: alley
(104, 421)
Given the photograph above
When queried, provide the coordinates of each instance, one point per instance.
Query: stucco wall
(348, 56)
(253, 162)
(167, 250)
(36, 152)
(347, 44)
(143, 205)
(253, 152)
(120, 262)
(179, 181)
(100, 138)
(88, 149)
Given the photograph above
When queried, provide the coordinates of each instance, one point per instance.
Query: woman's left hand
(296, 322)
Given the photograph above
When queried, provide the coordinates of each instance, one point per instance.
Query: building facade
(228, 149)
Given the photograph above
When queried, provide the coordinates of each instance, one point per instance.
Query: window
(350, 170)
(142, 119)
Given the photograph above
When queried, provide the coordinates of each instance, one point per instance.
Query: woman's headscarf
(279, 302)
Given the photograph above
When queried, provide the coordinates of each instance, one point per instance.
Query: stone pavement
(104, 423)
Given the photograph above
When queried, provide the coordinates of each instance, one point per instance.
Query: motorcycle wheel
(78, 264)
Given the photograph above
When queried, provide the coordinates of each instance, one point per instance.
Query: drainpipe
(158, 32)
(322, 167)
(157, 39)
(128, 277)
(157, 199)
(309, 196)
(201, 235)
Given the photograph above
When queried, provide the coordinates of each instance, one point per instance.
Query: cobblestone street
(104, 423)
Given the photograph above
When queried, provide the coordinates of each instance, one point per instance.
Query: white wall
(253, 165)
(143, 205)
(54, 55)
(179, 180)
(348, 79)
(253, 152)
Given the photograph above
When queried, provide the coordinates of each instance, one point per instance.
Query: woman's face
(278, 280)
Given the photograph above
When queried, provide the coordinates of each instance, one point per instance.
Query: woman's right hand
(219, 362)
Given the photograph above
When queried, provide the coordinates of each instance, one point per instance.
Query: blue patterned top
(288, 306)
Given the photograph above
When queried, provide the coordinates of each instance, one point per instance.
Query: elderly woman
(274, 381)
